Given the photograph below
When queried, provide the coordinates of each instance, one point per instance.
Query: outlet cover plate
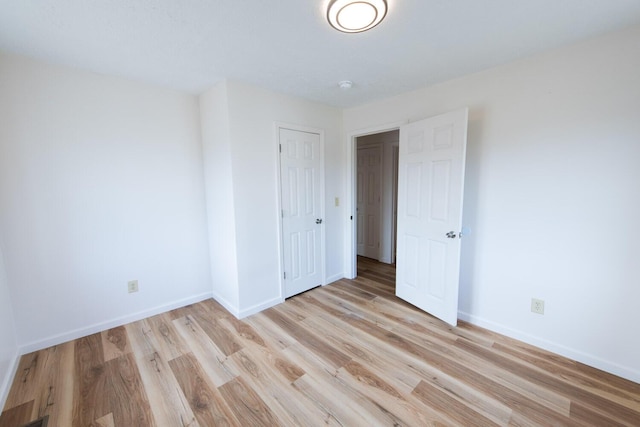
(132, 286)
(537, 306)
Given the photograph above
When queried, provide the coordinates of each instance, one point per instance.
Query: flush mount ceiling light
(355, 16)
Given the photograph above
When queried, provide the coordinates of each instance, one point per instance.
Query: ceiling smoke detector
(355, 16)
(345, 84)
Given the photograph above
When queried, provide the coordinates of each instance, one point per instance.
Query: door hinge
(285, 275)
(280, 145)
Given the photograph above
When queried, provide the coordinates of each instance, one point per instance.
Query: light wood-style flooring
(347, 354)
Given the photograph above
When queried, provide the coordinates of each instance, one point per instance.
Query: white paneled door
(301, 192)
(430, 190)
(369, 200)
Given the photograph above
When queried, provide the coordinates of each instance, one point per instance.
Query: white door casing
(369, 198)
(430, 193)
(394, 203)
(301, 203)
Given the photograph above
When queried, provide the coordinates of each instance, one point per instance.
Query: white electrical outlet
(133, 286)
(537, 306)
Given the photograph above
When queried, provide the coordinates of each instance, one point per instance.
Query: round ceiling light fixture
(355, 16)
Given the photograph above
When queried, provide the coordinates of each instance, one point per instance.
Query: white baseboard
(334, 278)
(247, 311)
(259, 307)
(6, 382)
(578, 356)
(102, 326)
(226, 304)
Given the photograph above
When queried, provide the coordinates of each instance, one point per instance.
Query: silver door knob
(451, 234)
(319, 221)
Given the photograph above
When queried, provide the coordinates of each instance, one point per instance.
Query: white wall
(216, 141)
(253, 113)
(8, 341)
(551, 196)
(101, 182)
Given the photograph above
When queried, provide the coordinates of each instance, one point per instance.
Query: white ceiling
(287, 45)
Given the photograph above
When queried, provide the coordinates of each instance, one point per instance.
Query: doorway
(429, 217)
(376, 195)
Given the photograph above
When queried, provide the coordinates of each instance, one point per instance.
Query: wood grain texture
(169, 405)
(247, 406)
(205, 399)
(106, 421)
(212, 359)
(89, 381)
(124, 392)
(43, 378)
(348, 354)
(18, 415)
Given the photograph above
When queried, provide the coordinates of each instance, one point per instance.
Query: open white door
(430, 190)
(301, 191)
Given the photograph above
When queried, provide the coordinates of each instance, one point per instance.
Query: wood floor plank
(55, 396)
(500, 376)
(502, 394)
(156, 335)
(335, 357)
(345, 401)
(24, 385)
(115, 343)
(274, 386)
(347, 354)
(208, 320)
(166, 399)
(357, 345)
(550, 364)
(106, 421)
(560, 385)
(243, 330)
(590, 417)
(396, 406)
(217, 309)
(622, 384)
(211, 358)
(402, 363)
(336, 411)
(168, 342)
(245, 403)
(272, 360)
(125, 394)
(90, 381)
(450, 407)
(206, 402)
(273, 336)
(45, 379)
(17, 415)
(177, 313)
(141, 338)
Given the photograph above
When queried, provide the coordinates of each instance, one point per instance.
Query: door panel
(369, 201)
(430, 190)
(300, 172)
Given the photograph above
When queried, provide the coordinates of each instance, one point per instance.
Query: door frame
(395, 159)
(276, 132)
(351, 237)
